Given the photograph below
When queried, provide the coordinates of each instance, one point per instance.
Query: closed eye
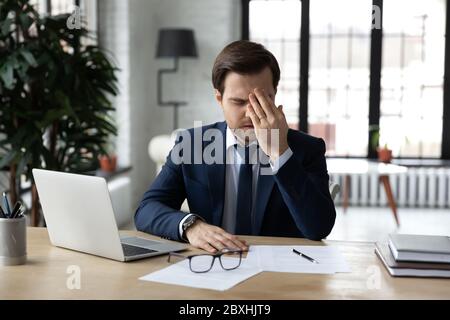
(238, 102)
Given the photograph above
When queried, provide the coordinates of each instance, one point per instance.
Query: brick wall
(129, 29)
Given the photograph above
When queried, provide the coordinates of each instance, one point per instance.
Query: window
(281, 37)
(88, 10)
(412, 77)
(339, 74)
(53, 6)
(412, 44)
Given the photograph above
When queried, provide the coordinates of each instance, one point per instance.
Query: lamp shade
(176, 43)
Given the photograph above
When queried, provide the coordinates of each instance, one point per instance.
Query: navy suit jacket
(295, 202)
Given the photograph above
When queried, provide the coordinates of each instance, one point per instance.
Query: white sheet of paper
(215, 279)
(283, 259)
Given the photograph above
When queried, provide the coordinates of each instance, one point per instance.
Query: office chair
(334, 189)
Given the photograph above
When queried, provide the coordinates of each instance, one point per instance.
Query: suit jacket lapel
(216, 181)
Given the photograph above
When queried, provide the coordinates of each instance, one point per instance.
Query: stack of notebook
(416, 255)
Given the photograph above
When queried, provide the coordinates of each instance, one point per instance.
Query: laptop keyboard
(130, 251)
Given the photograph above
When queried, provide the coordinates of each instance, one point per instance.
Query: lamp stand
(175, 104)
(175, 115)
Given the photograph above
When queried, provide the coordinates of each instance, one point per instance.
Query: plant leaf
(28, 56)
(7, 158)
(6, 26)
(7, 75)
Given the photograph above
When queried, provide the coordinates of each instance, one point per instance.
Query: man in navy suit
(266, 179)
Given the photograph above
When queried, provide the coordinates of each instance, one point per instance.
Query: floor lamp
(174, 43)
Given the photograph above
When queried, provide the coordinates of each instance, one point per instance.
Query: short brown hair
(243, 57)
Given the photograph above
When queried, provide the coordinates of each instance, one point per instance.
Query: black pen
(304, 256)
(16, 209)
(20, 213)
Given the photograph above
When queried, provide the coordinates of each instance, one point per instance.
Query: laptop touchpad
(140, 242)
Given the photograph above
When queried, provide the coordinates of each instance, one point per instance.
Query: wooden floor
(374, 224)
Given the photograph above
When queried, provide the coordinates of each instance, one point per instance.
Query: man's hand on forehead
(269, 121)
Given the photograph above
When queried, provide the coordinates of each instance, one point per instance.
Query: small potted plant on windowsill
(384, 153)
(108, 160)
(108, 163)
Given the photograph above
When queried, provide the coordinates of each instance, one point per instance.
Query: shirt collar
(231, 139)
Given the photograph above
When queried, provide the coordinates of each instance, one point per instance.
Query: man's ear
(218, 96)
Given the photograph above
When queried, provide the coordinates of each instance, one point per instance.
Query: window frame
(375, 76)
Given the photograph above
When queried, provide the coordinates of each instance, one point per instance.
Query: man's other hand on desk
(212, 238)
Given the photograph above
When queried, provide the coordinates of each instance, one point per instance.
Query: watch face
(189, 222)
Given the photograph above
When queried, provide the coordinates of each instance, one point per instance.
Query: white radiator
(419, 187)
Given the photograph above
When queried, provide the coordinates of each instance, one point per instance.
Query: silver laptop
(79, 216)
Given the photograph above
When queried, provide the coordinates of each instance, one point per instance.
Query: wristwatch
(188, 223)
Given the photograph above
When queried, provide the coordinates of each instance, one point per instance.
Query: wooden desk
(45, 275)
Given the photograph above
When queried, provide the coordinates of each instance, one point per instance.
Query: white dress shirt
(234, 162)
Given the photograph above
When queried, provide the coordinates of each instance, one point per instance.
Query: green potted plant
(55, 111)
(384, 153)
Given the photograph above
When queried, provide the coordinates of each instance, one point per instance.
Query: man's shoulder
(302, 139)
(202, 134)
(220, 126)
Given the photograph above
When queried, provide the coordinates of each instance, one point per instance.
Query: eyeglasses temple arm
(175, 254)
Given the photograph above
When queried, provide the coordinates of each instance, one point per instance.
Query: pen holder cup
(13, 241)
